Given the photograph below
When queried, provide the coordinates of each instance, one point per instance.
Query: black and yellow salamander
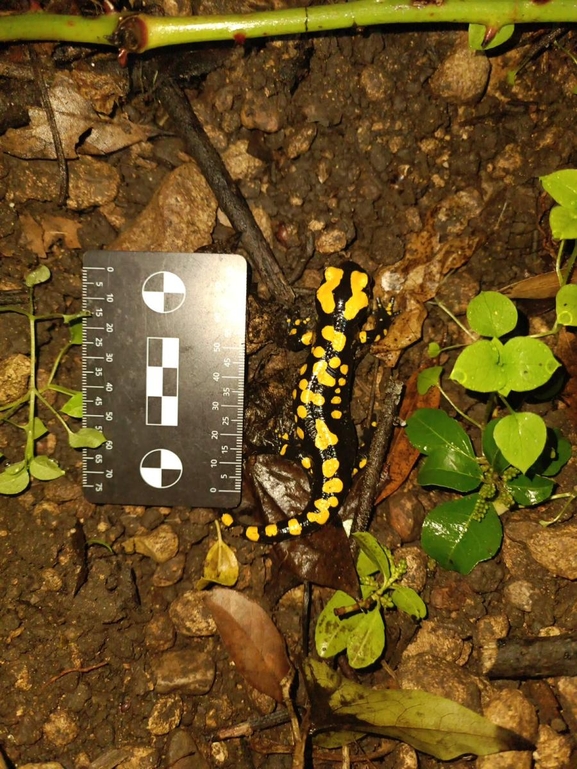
(323, 429)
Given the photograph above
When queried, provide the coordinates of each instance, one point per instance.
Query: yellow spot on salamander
(362, 337)
(283, 450)
(342, 381)
(335, 362)
(320, 372)
(330, 467)
(326, 291)
(302, 412)
(294, 394)
(307, 338)
(306, 463)
(322, 505)
(344, 369)
(293, 332)
(303, 369)
(304, 383)
(252, 533)
(336, 414)
(362, 463)
(333, 486)
(227, 520)
(320, 518)
(300, 434)
(271, 530)
(336, 400)
(308, 396)
(294, 527)
(359, 299)
(336, 338)
(324, 438)
(318, 352)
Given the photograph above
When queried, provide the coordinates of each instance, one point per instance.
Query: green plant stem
(570, 497)
(53, 410)
(139, 32)
(458, 410)
(455, 320)
(32, 392)
(61, 354)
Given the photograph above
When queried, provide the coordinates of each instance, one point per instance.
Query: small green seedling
(358, 626)
(520, 455)
(16, 477)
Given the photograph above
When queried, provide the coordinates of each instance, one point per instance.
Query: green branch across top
(492, 22)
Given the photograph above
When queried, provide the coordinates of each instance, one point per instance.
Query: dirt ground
(380, 143)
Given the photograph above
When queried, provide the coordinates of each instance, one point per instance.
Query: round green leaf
(566, 305)
(428, 378)
(331, 632)
(492, 314)
(560, 454)
(367, 640)
(73, 406)
(530, 491)
(434, 349)
(45, 469)
(409, 601)
(477, 34)
(521, 439)
(563, 223)
(39, 275)
(432, 429)
(562, 186)
(86, 438)
(479, 367)
(527, 364)
(456, 539)
(450, 469)
(15, 478)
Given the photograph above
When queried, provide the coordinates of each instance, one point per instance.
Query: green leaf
(45, 469)
(15, 478)
(563, 223)
(408, 600)
(491, 451)
(366, 640)
(562, 186)
(39, 275)
(566, 305)
(73, 406)
(527, 363)
(479, 367)
(477, 33)
(560, 451)
(450, 469)
(331, 632)
(434, 349)
(492, 314)
(378, 555)
(454, 536)
(75, 329)
(530, 491)
(333, 740)
(429, 377)
(432, 429)
(86, 438)
(429, 723)
(40, 428)
(521, 439)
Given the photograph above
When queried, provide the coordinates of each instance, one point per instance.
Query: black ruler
(163, 377)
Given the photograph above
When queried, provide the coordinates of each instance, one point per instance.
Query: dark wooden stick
(260, 255)
(531, 657)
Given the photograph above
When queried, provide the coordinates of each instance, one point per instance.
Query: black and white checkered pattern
(162, 367)
(163, 292)
(161, 468)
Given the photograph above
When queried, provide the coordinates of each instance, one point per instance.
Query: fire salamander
(323, 427)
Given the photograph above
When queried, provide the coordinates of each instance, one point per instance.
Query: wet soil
(353, 142)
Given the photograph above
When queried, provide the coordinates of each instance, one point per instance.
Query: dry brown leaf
(252, 640)
(60, 228)
(402, 455)
(415, 280)
(543, 286)
(32, 235)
